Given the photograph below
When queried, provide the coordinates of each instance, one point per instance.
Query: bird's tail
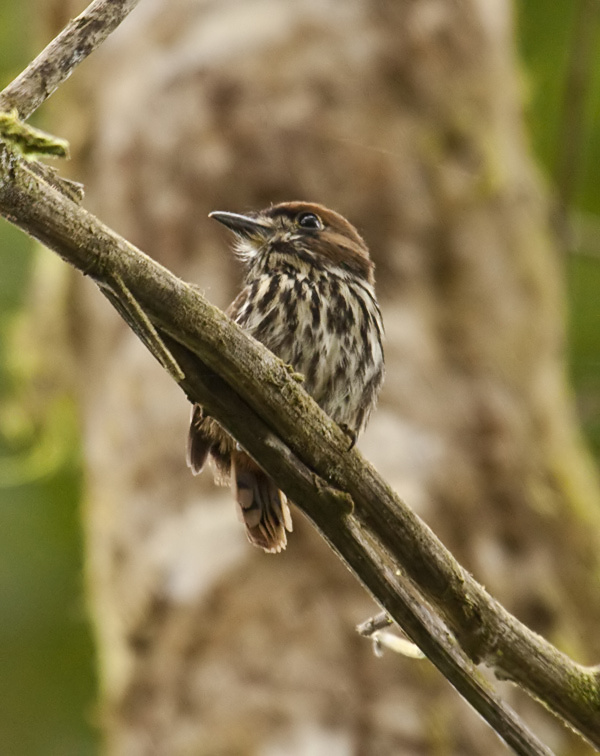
(262, 506)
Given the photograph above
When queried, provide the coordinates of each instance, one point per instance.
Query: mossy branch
(258, 400)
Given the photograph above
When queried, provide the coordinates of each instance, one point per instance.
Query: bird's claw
(352, 435)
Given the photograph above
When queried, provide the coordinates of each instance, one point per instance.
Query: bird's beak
(243, 225)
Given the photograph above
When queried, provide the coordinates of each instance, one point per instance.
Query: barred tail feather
(207, 439)
(263, 507)
(198, 443)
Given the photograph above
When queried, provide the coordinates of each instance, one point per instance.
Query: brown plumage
(308, 296)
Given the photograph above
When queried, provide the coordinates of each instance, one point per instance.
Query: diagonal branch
(330, 510)
(56, 62)
(375, 533)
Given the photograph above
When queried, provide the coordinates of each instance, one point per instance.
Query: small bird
(309, 297)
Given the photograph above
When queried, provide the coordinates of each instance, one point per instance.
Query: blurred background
(55, 464)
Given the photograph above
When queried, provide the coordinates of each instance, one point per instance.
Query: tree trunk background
(406, 117)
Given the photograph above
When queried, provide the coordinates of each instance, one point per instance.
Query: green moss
(585, 688)
(28, 141)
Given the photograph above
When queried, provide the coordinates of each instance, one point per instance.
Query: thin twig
(128, 308)
(373, 624)
(56, 62)
(375, 628)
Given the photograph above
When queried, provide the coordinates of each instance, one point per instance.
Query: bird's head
(312, 233)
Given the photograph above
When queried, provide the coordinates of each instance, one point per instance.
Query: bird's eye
(309, 220)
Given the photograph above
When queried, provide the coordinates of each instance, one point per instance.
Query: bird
(308, 295)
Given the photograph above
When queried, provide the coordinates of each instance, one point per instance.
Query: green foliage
(543, 35)
(46, 677)
(547, 34)
(584, 341)
(47, 685)
(46, 659)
